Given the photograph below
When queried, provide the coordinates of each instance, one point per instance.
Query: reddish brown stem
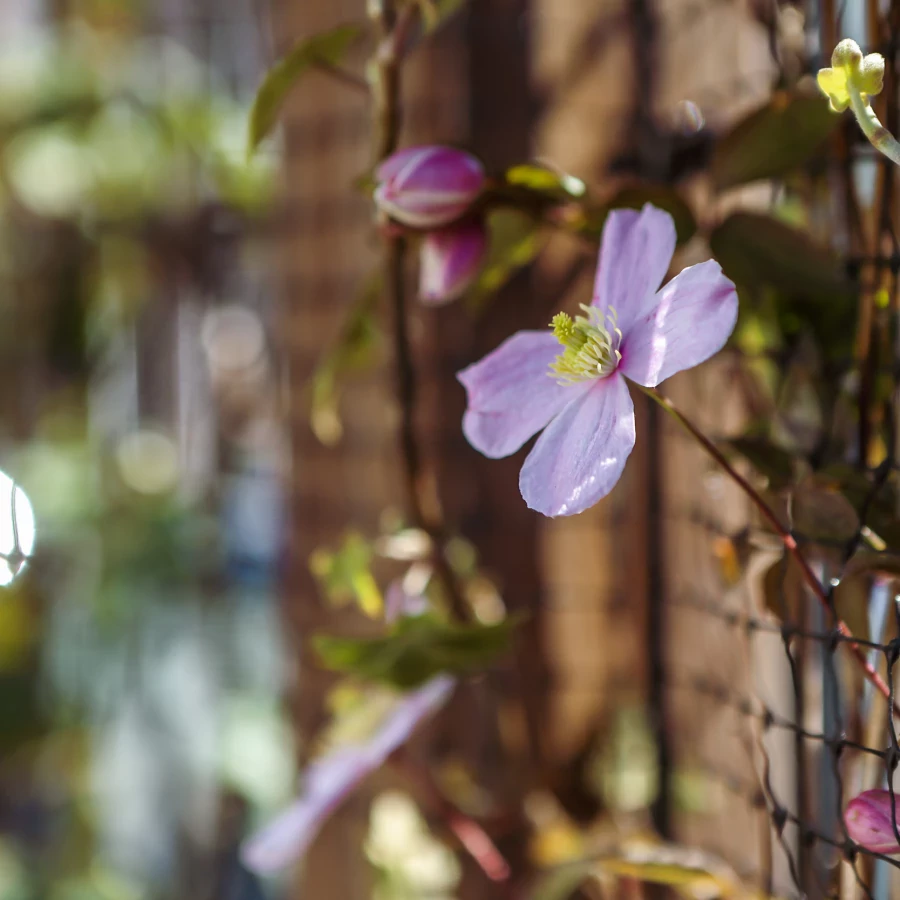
(790, 544)
(473, 838)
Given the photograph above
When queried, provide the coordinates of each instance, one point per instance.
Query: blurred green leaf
(543, 180)
(768, 459)
(353, 350)
(820, 513)
(773, 140)
(515, 240)
(876, 507)
(635, 196)
(786, 597)
(685, 869)
(868, 563)
(757, 250)
(327, 47)
(417, 648)
(344, 575)
(436, 12)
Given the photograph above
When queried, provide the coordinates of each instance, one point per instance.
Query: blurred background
(174, 454)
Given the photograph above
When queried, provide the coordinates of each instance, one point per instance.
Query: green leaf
(344, 575)
(768, 459)
(543, 180)
(327, 47)
(773, 140)
(354, 350)
(436, 12)
(757, 250)
(635, 196)
(786, 596)
(515, 240)
(417, 648)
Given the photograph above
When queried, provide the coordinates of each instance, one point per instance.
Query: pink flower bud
(449, 261)
(426, 187)
(869, 821)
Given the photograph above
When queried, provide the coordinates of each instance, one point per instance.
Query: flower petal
(692, 319)
(396, 162)
(330, 779)
(870, 823)
(326, 783)
(635, 253)
(581, 455)
(511, 393)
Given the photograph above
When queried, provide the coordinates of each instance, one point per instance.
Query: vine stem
(876, 134)
(393, 29)
(470, 834)
(790, 543)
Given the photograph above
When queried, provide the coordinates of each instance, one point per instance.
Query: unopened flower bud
(426, 187)
(449, 261)
(870, 822)
(847, 53)
(851, 69)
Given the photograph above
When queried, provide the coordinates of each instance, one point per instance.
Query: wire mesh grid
(803, 822)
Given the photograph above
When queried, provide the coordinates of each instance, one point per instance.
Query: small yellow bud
(851, 69)
(847, 53)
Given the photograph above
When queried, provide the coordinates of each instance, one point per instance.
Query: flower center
(591, 345)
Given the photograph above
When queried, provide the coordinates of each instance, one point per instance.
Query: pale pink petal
(635, 253)
(580, 456)
(395, 163)
(692, 319)
(512, 394)
(449, 260)
(430, 186)
(409, 712)
(870, 822)
(398, 602)
(326, 783)
(329, 780)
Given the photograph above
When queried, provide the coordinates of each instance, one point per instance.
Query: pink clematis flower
(869, 821)
(428, 187)
(570, 382)
(449, 261)
(328, 780)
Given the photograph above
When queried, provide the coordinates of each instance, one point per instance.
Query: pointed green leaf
(327, 47)
(344, 575)
(353, 350)
(773, 140)
(515, 240)
(634, 196)
(417, 648)
(770, 460)
(757, 250)
(543, 180)
(436, 12)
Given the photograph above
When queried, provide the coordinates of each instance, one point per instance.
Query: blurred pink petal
(328, 781)
(635, 253)
(430, 186)
(449, 261)
(692, 319)
(511, 395)
(581, 454)
(869, 821)
(631, 329)
(399, 602)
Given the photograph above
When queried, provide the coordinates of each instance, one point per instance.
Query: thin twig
(394, 28)
(470, 834)
(787, 538)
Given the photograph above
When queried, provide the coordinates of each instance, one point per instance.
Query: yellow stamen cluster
(591, 346)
